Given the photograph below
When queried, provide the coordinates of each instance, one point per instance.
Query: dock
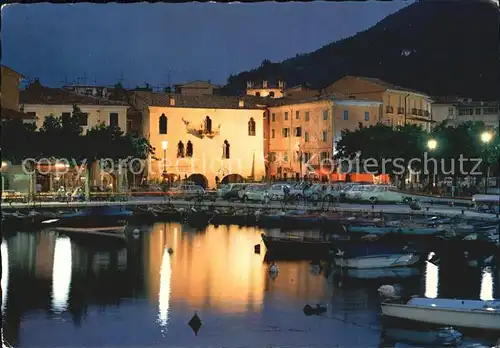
(400, 209)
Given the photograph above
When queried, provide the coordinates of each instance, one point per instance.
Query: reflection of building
(216, 268)
(45, 255)
(208, 136)
(22, 252)
(400, 105)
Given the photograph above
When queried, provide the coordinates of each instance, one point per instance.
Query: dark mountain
(440, 47)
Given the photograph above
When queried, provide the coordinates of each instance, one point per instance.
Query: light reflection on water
(153, 293)
(61, 274)
(5, 273)
(486, 285)
(431, 278)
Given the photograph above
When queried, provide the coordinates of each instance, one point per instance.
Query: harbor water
(63, 292)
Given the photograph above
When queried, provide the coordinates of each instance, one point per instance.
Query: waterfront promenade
(427, 208)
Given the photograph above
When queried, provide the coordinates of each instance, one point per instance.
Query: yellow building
(39, 102)
(400, 105)
(207, 137)
(10, 88)
(309, 129)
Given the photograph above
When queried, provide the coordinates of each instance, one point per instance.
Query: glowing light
(164, 144)
(62, 165)
(4, 164)
(431, 280)
(164, 294)
(486, 137)
(432, 144)
(61, 274)
(5, 273)
(486, 285)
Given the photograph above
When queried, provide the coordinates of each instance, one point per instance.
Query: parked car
(347, 188)
(323, 192)
(385, 193)
(277, 191)
(186, 191)
(230, 191)
(254, 192)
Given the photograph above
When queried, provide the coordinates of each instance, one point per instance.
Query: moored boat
(295, 246)
(473, 314)
(411, 231)
(95, 217)
(378, 261)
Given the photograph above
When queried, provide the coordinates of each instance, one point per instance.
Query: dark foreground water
(61, 293)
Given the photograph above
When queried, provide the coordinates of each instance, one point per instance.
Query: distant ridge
(446, 47)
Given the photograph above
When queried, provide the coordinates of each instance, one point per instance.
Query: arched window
(163, 124)
(225, 149)
(251, 127)
(208, 125)
(189, 149)
(271, 94)
(257, 94)
(180, 149)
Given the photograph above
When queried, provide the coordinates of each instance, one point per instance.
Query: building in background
(400, 105)
(10, 96)
(266, 88)
(306, 131)
(91, 90)
(197, 88)
(209, 138)
(39, 102)
(459, 110)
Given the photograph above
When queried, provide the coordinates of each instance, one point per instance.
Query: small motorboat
(297, 246)
(377, 261)
(95, 217)
(474, 314)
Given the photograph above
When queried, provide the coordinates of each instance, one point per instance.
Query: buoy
(195, 323)
(170, 251)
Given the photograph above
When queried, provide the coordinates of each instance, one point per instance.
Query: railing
(414, 111)
(420, 112)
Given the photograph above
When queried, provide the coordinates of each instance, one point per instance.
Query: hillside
(440, 47)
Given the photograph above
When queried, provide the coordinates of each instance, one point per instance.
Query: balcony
(414, 111)
(401, 111)
(420, 112)
(389, 109)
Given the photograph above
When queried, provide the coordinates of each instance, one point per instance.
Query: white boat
(474, 314)
(378, 261)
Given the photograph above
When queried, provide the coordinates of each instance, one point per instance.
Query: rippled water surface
(66, 293)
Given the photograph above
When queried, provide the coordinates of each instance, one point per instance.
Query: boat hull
(378, 261)
(444, 316)
(296, 248)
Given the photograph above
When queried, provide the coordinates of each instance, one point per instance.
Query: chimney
(241, 103)
(171, 100)
(281, 84)
(264, 84)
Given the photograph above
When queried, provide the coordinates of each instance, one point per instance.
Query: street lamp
(432, 145)
(164, 145)
(486, 138)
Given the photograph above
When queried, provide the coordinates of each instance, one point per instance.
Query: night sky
(148, 42)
